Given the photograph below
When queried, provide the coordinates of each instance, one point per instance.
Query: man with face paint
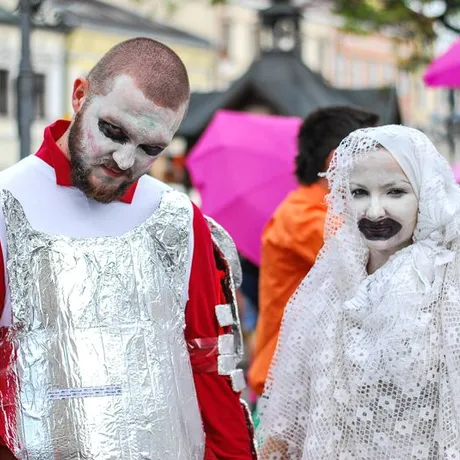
(294, 235)
(119, 334)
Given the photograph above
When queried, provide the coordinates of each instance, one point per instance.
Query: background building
(217, 43)
(48, 57)
(69, 37)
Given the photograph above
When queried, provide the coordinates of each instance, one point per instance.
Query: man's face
(384, 201)
(114, 139)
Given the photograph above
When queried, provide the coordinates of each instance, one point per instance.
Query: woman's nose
(375, 209)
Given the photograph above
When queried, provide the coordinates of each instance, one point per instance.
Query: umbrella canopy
(445, 70)
(456, 171)
(243, 167)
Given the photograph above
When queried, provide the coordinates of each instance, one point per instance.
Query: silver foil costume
(98, 338)
(226, 245)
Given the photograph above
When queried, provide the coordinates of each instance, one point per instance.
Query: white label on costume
(88, 392)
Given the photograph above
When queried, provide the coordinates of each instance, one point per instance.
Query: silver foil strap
(226, 344)
(226, 364)
(225, 315)
(230, 345)
(225, 243)
(238, 380)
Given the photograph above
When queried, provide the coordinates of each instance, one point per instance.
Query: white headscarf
(368, 366)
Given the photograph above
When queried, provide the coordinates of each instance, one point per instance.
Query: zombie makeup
(114, 139)
(384, 201)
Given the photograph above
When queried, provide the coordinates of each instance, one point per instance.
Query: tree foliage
(409, 22)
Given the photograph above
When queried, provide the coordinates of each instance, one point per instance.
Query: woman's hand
(274, 449)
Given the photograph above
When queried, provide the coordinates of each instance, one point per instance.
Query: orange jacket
(290, 243)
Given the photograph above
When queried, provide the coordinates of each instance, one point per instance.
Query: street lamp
(25, 84)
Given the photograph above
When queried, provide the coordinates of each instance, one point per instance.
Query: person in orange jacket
(293, 237)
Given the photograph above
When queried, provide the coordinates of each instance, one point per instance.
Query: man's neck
(322, 181)
(63, 144)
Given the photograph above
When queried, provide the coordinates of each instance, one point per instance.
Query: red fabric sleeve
(224, 420)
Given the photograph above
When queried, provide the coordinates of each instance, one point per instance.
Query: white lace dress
(368, 367)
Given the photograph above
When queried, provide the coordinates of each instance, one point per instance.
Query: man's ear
(79, 93)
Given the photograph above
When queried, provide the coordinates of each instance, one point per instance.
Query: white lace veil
(368, 367)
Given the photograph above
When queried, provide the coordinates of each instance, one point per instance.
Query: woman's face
(385, 202)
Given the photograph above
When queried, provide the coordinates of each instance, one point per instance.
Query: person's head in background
(321, 133)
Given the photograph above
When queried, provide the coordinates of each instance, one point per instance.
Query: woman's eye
(112, 131)
(396, 192)
(359, 192)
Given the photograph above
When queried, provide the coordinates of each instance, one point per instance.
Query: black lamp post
(26, 80)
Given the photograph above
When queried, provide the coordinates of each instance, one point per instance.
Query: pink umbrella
(445, 70)
(456, 171)
(243, 167)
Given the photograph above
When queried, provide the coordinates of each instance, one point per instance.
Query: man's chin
(103, 193)
(103, 197)
(103, 189)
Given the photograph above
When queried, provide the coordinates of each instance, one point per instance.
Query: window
(340, 69)
(373, 74)
(39, 95)
(356, 74)
(322, 56)
(389, 74)
(225, 37)
(3, 92)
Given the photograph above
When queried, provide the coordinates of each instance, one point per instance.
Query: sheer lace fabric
(368, 367)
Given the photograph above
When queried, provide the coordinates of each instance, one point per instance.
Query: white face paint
(118, 136)
(385, 202)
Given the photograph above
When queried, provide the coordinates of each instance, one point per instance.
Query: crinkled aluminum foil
(225, 243)
(230, 345)
(100, 352)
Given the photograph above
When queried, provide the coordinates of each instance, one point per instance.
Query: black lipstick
(379, 230)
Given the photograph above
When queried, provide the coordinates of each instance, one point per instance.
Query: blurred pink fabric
(445, 69)
(243, 167)
(456, 171)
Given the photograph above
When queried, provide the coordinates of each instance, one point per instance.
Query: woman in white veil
(368, 360)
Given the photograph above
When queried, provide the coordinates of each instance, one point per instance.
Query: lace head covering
(368, 366)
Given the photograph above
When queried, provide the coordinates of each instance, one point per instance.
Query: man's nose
(124, 157)
(375, 209)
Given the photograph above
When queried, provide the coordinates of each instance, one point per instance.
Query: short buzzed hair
(156, 69)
